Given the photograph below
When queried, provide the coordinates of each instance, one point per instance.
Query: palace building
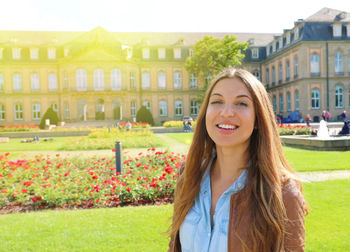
(101, 75)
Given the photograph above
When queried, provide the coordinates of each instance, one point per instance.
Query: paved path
(324, 175)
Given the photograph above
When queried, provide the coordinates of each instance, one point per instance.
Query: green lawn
(16, 145)
(141, 228)
(300, 159)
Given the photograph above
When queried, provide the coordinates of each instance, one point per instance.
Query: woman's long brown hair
(268, 167)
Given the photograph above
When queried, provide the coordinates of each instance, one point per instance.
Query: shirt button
(239, 185)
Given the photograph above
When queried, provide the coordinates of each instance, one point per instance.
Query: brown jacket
(295, 227)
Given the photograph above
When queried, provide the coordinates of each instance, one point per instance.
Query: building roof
(128, 38)
(329, 15)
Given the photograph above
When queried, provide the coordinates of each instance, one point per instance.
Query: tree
(49, 114)
(144, 115)
(212, 55)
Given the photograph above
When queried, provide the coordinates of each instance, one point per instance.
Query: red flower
(28, 183)
(24, 190)
(128, 189)
(95, 177)
(66, 174)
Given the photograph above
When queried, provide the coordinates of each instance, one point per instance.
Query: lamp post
(118, 156)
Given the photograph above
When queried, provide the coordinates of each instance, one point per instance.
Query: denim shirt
(196, 233)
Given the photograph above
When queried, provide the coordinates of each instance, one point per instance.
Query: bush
(144, 115)
(49, 114)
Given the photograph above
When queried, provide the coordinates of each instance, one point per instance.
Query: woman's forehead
(230, 87)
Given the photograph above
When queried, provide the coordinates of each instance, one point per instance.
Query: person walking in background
(324, 114)
(308, 120)
(327, 116)
(236, 191)
(343, 115)
(128, 126)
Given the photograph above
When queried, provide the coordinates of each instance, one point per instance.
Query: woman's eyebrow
(216, 94)
(243, 95)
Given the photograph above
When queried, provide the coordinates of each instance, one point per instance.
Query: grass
(141, 228)
(300, 159)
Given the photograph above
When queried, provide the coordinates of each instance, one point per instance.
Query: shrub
(49, 114)
(144, 115)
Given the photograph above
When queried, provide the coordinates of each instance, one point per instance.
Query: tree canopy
(212, 55)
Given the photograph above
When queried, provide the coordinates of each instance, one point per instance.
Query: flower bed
(18, 128)
(288, 129)
(176, 124)
(46, 182)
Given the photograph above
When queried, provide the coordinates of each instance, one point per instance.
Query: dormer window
(52, 53)
(34, 53)
(161, 53)
(336, 30)
(16, 53)
(288, 38)
(274, 47)
(296, 34)
(348, 30)
(255, 53)
(267, 51)
(66, 50)
(177, 53)
(281, 43)
(129, 52)
(145, 53)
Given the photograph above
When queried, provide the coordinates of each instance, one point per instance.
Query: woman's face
(230, 115)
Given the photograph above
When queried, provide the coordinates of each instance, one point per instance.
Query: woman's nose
(228, 110)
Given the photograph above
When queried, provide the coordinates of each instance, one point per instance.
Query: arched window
(296, 97)
(99, 82)
(194, 108)
(289, 102)
(161, 80)
(177, 80)
(315, 65)
(116, 79)
(281, 103)
(81, 80)
(146, 82)
(339, 101)
(315, 99)
(163, 108)
(274, 103)
(287, 70)
(338, 63)
(147, 104)
(296, 67)
(178, 108)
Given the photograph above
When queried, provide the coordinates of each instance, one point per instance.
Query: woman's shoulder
(291, 190)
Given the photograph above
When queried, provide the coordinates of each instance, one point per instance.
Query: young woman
(236, 191)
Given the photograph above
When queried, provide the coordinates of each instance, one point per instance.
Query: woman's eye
(243, 104)
(216, 102)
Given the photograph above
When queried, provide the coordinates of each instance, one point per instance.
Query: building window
(193, 81)
(337, 30)
(256, 73)
(16, 53)
(147, 104)
(66, 111)
(81, 80)
(17, 82)
(194, 107)
(116, 79)
(296, 67)
(296, 97)
(339, 101)
(161, 53)
(52, 53)
(255, 53)
(161, 80)
(34, 53)
(338, 63)
(207, 79)
(177, 80)
(163, 108)
(146, 83)
(289, 102)
(52, 82)
(65, 80)
(296, 34)
(315, 99)
(287, 70)
(99, 82)
(132, 80)
(54, 107)
(273, 76)
(348, 30)
(191, 52)
(66, 51)
(281, 103)
(145, 53)
(2, 112)
(35, 82)
(18, 112)
(2, 85)
(349, 62)
(315, 65)
(274, 103)
(288, 38)
(267, 77)
(36, 111)
(133, 108)
(1, 52)
(280, 73)
(178, 108)
(177, 53)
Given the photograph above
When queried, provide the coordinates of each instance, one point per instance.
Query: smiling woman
(236, 191)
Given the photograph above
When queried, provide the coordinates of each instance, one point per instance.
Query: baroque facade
(101, 75)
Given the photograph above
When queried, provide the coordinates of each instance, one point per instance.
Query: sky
(258, 16)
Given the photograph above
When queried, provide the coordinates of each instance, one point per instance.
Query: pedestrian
(328, 116)
(128, 126)
(343, 115)
(236, 191)
(324, 114)
(308, 120)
